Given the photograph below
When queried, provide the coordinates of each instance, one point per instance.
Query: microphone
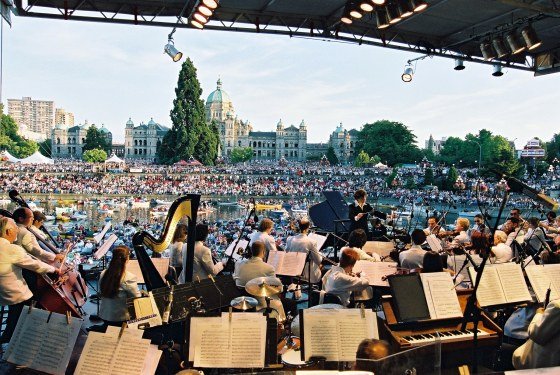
(520, 187)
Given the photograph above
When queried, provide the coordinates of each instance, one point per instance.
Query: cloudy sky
(107, 73)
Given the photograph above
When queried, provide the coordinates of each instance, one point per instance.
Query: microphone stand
(245, 223)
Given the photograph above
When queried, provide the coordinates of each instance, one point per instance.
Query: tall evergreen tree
(190, 135)
(95, 139)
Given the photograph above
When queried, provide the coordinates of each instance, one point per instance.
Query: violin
(447, 233)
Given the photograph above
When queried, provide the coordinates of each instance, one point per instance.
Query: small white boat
(467, 213)
(50, 217)
(140, 204)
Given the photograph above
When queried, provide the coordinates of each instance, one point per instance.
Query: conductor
(358, 211)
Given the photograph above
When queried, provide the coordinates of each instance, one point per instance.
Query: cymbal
(264, 286)
(243, 303)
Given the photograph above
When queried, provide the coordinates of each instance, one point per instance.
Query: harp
(185, 206)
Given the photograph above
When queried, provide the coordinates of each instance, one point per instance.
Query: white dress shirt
(461, 239)
(412, 258)
(203, 264)
(303, 244)
(374, 257)
(502, 253)
(114, 309)
(13, 288)
(341, 284)
(268, 240)
(250, 269)
(27, 240)
(176, 254)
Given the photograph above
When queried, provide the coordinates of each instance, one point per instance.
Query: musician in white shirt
(24, 219)
(303, 244)
(500, 252)
(414, 257)
(356, 240)
(263, 235)
(462, 225)
(176, 249)
(203, 264)
(341, 281)
(14, 291)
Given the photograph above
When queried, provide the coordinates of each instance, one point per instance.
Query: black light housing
(500, 47)
(381, 17)
(531, 38)
(393, 14)
(514, 44)
(487, 51)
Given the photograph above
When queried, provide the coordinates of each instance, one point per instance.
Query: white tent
(6, 156)
(114, 159)
(37, 158)
(380, 165)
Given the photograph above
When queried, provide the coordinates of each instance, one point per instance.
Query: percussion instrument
(264, 287)
(292, 359)
(244, 303)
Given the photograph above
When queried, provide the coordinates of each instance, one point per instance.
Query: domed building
(343, 142)
(290, 142)
(142, 141)
(68, 142)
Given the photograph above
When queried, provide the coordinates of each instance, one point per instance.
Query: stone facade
(68, 142)
(142, 141)
(344, 143)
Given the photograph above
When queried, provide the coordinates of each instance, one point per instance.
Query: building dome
(151, 122)
(218, 95)
(339, 128)
(103, 129)
(129, 122)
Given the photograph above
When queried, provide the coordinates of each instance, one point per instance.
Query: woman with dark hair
(177, 248)
(432, 262)
(358, 210)
(356, 241)
(116, 284)
(203, 265)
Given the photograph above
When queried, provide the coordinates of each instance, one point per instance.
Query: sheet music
(102, 250)
(319, 239)
(375, 271)
(145, 307)
(97, 355)
(161, 264)
(489, 292)
(434, 243)
(542, 277)
(241, 246)
(289, 263)
(103, 232)
(513, 282)
(441, 295)
(381, 248)
(40, 345)
(275, 258)
(218, 342)
(336, 334)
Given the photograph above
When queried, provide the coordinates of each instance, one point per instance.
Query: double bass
(69, 291)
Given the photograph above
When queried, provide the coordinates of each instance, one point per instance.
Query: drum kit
(267, 288)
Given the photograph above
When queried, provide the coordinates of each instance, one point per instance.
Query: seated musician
(479, 225)
(379, 231)
(458, 261)
(24, 219)
(357, 212)
(413, 257)
(535, 237)
(341, 281)
(263, 235)
(500, 252)
(513, 228)
(254, 266)
(203, 264)
(356, 240)
(433, 227)
(176, 249)
(433, 262)
(39, 219)
(116, 284)
(462, 225)
(14, 291)
(542, 349)
(303, 244)
(552, 230)
(371, 349)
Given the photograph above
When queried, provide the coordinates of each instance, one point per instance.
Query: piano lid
(325, 214)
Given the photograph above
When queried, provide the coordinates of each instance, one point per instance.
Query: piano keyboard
(426, 338)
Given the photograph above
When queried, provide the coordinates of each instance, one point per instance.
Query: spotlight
(497, 71)
(378, 2)
(408, 73)
(405, 8)
(381, 16)
(197, 24)
(346, 17)
(355, 12)
(459, 64)
(212, 4)
(200, 18)
(172, 51)
(418, 5)
(514, 43)
(393, 14)
(487, 51)
(205, 10)
(530, 36)
(500, 46)
(366, 5)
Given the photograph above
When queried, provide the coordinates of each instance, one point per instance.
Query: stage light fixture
(381, 17)
(212, 4)
(197, 24)
(408, 73)
(205, 10)
(170, 50)
(355, 11)
(418, 5)
(514, 43)
(487, 51)
(531, 38)
(378, 2)
(500, 47)
(393, 14)
(346, 17)
(200, 18)
(405, 8)
(366, 5)
(459, 64)
(497, 71)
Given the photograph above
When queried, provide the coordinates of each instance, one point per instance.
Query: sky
(107, 73)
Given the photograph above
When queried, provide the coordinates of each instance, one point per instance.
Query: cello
(69, 291)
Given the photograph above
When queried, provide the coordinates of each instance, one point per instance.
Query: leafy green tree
(410, 184)
(451, 178)
(391, 177)
(11, 141)
(375, 159)
(45, 148)
(190, 134)
(391, 141)
(553, 148)
(361, 159)
(429, 176)
(331, 156)
(95, 139)
(241, 154)
(94, 156)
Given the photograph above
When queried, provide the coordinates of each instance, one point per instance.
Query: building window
(145, 143)
(286, 145)
(296, 145)
(58, 150)
(58, 142)
(129, 151)
(135, 152)
(239, 143)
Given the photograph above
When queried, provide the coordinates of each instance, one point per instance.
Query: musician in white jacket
(24, 219)
(303, 244)
(341, 281)
(203, 263)
(14, 291)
